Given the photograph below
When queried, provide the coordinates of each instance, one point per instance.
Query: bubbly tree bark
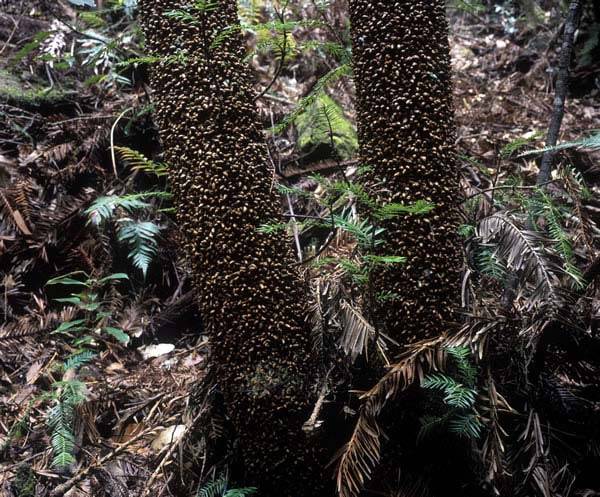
(252, 301)
(406, 133)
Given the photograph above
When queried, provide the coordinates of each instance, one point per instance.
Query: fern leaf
(140, 236)
(215, 488)
(466, 425)
(140, 162)
(361, 454)
(77, 360)
(241, 492)
(523, 252)
(591, 142)
(329, 78)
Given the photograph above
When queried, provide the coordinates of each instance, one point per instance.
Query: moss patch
(12, 89)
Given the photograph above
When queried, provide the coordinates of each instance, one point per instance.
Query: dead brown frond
(316, 314)
(361, 454)
(493, 448)
(525, 254)
(358, 333)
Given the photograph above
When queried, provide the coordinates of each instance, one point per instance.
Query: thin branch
(294, 228)
(562, 85)
(508, 187)
(281, 60)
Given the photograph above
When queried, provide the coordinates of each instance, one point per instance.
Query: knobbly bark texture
(406, 133)
(252, 301)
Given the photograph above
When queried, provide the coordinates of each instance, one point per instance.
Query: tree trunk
(251, 300)
(406, 133)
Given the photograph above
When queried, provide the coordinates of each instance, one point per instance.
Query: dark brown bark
(406, 133)
(251, 299)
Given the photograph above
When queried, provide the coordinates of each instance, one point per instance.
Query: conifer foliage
(251, 299)
(406, 134)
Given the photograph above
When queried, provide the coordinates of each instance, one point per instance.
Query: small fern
(305, 102)
(104, 207)
(455, 394)
(75, 361)
(141, 237)
(490, 264)
(542, 205)
(459, 395)
(60, 419)
(219, 488)
(140, 162)
(591, 142)
(466, 425)
(366, 234)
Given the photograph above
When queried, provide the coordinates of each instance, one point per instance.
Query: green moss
(13, 90)
(319, 121)
(24, 482)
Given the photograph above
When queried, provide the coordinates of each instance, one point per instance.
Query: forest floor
(134, 432)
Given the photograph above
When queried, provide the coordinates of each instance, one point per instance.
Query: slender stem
(562, 85)
(281, 17)
(294, 228)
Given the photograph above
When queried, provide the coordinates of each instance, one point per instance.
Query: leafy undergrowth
(102, 357)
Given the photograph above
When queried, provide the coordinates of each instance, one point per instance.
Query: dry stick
(112, 140)
(294, 227)
(558, 112)
(562, 85)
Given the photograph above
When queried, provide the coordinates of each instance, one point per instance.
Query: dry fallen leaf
(168, 436)
(157, 350)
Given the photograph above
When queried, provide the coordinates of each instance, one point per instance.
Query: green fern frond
(140, 162)
(466, 425)
(350, 190)
(470, 6)
(75, 361)
(272, 228)
(467, 230)
(591, 142)
(326, 80)
(509, 149)
(462, 358)
(224, 35)
(336, 50)
(363, 231)
(241, 492)
(431, 423)
(63, 444)
(490, 264)
(203, 6)
(294, 190)
(181, 15)
(455, 394)
(542, 205)
(377, 260)
(394, 209)
(103, 208)
(215, 488)
(60, 419)
(141, 237)
(218, 488)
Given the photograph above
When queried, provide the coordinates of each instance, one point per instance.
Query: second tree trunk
(406, 133)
